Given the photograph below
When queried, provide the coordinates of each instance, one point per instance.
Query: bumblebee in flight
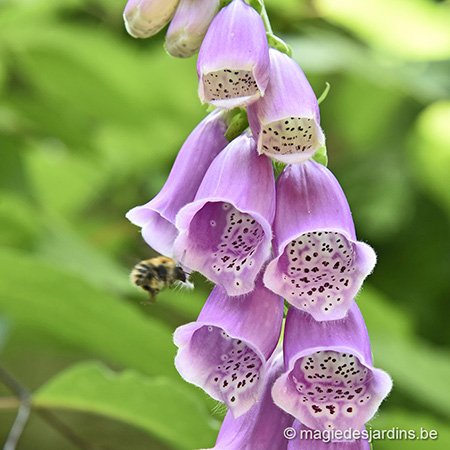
(154, 274)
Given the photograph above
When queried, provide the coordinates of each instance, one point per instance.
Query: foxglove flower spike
(144, 18)
(225, 350)
(233, 62)
(286, 121)
(157, 217)
(189, 26)
(225, 232)
(330, 382)
(319, 265)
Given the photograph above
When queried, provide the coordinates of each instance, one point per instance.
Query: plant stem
(22, 414)
(265, 18)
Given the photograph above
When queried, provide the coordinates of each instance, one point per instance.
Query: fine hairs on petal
(262, 426)
(225, 351)
(319, 266)
(330, 382)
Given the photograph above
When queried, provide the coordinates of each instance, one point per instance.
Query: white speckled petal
(225, 233)
(319, 266)
(286, 121)
(262, 426)
(330, 382)
(224, 352)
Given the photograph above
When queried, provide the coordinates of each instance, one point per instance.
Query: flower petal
(189, 26)
(261, 427)
(225, 350)
(225, 233)
(286, 121)
(319, 265)
(144, 18)
(330, 381)
(233, 62)
(157, 217)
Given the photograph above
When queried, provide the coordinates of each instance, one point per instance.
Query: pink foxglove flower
(263, 425)
(286, 121)
(319, 265)
(144, 18)
(157, 217)
(225, 233)
(330, 382)
(233, 62)
(226, 349)
(189, 26)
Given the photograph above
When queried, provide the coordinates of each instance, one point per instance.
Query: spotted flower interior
(319, 272)
(290, 135)
(231, 241)
(334, 390)
(234, 368)
(226, 84)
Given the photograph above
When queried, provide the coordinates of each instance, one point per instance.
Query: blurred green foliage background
(90, 123)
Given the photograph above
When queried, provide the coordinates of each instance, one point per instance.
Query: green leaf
(412, 29)
(324, 51)
(41, 298)
(321, 156)
(279, 44)
(239, 122)
(430, 143)
(18, 224)
(398, 420)
(160, 406)
(78, 178)
(86, 260)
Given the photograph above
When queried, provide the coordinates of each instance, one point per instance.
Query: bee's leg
(152, 295)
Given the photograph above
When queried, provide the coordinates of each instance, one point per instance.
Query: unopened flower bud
(144, 18)
(189, 26)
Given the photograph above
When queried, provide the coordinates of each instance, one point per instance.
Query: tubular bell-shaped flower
(225, 350)
(286, 121)
(319, 265)
(263, 425)
(225, 232)
(308, 439)
(189, 26)
(157, 217)
(144, 18)
(330, 382)
(233, 62)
